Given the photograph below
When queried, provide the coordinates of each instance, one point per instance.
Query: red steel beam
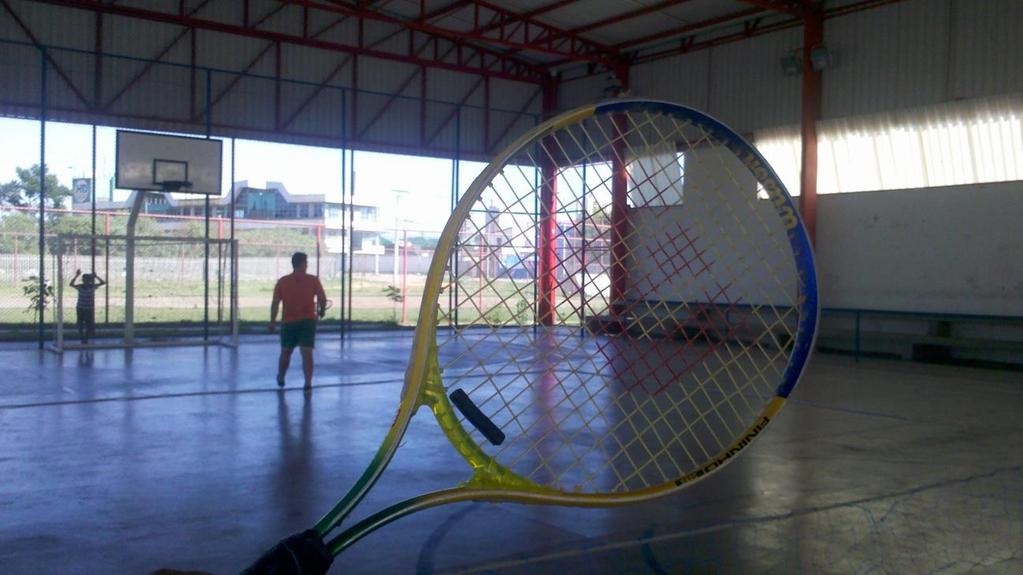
(627, 16)
(551, 41)
(813, 36)
(322, 31)
(689, 44)
(790, 7)
(443, 10)
(689, 28)
(570, 46)
(479, 60)
(540, 10)
(693, 46)
(528, 14)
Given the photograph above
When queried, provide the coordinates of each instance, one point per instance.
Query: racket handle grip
(476, 417)
(303, 553)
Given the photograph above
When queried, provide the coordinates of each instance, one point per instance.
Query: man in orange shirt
(297, 291)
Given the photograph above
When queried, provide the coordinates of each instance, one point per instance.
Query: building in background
(274, 202)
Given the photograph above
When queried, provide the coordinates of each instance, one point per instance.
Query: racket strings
(752, 243)
(619, 411)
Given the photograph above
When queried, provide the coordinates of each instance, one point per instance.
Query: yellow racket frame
(423, 386)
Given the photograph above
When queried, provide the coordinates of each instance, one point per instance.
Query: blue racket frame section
(802, 250)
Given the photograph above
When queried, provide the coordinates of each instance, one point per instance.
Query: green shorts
(301, 333)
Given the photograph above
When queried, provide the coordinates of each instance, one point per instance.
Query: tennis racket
(322, 311)
(618, 306)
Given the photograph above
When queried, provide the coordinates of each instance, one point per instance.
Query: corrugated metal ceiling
(610, 23)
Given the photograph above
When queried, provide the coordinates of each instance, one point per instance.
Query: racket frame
(423, 384)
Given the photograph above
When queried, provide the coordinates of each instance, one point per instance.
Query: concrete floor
(125, 462)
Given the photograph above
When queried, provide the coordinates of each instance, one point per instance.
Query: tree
(24, 191)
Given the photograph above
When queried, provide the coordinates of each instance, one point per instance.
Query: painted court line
(193, 394)
(589, 547)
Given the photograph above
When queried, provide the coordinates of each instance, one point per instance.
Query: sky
(302, 169)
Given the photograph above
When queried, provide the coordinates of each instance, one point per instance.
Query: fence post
(404, 272)
(857, 352)
(60, 295)
(106, 274)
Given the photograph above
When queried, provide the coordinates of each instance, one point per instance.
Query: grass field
(171, 301)
(164, 303)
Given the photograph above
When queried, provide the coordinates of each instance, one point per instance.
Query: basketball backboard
(160, 162)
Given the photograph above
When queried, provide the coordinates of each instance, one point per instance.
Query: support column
(234, 254)
(547, 270)
(206, 219)
(619, 218)
(42, 196)
(92, 204)
(129, 268)
(619, 206)
(346, 208)
(813, 36)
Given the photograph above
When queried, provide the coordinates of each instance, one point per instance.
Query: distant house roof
(176, 200)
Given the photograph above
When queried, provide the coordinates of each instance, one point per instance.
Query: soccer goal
(148, 291)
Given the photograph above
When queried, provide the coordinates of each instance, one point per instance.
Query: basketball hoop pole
(129, 268)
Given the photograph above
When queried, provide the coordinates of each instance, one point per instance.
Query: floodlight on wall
(821, 58)
(613, 88)
(792, 63)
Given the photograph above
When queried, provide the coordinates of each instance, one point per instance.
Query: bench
(931, 337)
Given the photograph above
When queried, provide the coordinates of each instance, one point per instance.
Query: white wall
(739, 251)
(956, 249)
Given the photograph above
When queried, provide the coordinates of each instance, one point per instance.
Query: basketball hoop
(175, 185)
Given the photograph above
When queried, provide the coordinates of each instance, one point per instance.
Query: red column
(546, 253)
(813, 35)
(546, 296)
(619, 219)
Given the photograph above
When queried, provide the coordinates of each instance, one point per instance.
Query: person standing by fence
(304, 301)
(85, 308)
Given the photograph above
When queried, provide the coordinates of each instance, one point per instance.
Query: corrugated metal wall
(904, 55)
(890, 58)
(921, 52)
(147, 81)
(741, 83)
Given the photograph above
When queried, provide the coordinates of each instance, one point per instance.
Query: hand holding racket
(321, 310)
(661, 307)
